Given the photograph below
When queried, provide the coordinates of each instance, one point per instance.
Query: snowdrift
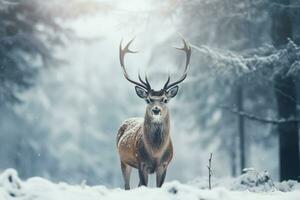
(251, 185)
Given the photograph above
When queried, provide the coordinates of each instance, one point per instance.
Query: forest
(63, 95)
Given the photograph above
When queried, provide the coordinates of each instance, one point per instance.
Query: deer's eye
(149, 100)
(163, 100)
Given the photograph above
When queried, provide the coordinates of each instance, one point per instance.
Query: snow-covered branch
(266, 60)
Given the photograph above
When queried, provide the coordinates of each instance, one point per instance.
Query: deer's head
(156, 99)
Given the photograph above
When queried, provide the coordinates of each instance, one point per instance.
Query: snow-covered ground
(252, 185)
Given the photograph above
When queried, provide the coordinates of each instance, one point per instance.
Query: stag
(145, 143)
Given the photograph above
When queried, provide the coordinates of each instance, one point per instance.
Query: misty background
(63, 95)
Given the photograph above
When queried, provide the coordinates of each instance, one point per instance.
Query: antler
(122, 54)
(187, 49)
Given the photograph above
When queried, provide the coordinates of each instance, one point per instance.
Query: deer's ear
(172, 92)
(142, 93)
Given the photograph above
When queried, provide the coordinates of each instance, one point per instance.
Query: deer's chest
(151, 162)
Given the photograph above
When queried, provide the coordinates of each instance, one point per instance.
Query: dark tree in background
(24, 29)
(285, 93)
(30, 32)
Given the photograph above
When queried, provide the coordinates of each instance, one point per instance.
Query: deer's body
(145, 143)
(134, 147)
(147, 147)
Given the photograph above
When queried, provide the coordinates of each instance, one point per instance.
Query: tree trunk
(241, 128)
(233, 150)
(288, 132)
(285, 93)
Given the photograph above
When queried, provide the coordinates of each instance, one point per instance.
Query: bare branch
(260, 119)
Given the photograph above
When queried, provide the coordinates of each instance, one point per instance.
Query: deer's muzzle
(156, 110)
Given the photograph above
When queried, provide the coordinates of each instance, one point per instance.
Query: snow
(11, 187)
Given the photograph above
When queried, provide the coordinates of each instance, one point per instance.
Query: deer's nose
(156, 110)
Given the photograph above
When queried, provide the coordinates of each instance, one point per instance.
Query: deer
(145, 143)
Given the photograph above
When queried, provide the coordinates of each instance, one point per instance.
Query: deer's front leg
(143, 175)
(126, 170)
(161, 175)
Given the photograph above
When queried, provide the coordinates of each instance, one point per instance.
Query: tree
(286, 96)
(30, 33)
(22, 43)
(25, 29)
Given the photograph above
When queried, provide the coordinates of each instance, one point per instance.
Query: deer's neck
(156, 134)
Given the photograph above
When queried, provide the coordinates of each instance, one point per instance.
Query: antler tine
(147, 84)
(187, 49)
(168, 80)
(141, 80)
(122, 53)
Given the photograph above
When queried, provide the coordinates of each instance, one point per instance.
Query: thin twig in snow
(209, 171)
